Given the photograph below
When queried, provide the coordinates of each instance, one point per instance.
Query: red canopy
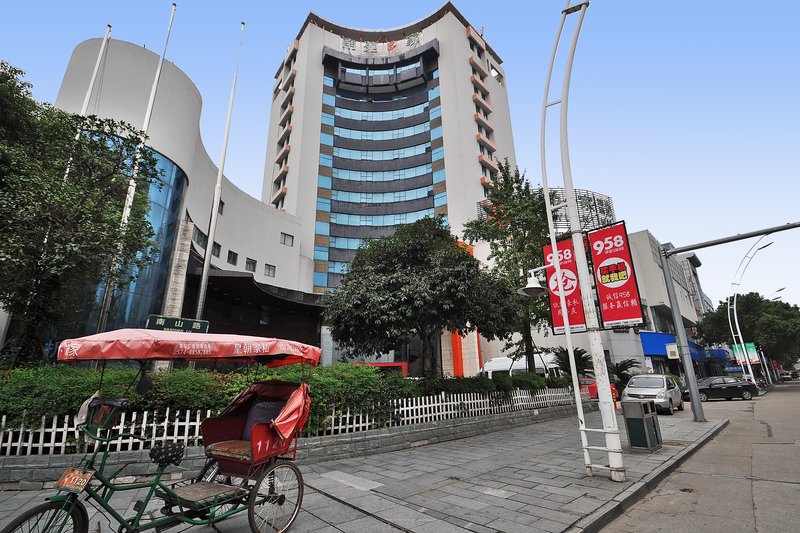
(174, 345)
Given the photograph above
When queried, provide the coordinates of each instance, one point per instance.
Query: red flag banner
(620, 305)
(569, 285)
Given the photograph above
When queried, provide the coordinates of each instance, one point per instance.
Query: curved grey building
(369, 129)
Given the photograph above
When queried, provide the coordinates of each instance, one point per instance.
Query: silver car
(657, 387)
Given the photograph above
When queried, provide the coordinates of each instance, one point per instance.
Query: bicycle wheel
(275, 499)
(49, 517)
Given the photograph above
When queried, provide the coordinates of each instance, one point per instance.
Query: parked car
(685, 389)
(786, 376)
(726, 387)
(660, 388)
(590, 385)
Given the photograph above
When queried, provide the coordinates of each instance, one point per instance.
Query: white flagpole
(212, 224)
(126, 210)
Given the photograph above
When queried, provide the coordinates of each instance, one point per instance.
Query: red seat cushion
(238, 450)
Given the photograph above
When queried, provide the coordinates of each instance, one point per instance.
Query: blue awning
(655, 345)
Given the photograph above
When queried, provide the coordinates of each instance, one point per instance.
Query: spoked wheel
(49, 517)
(275, 499)
(212, 474)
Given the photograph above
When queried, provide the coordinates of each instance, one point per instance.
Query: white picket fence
(59, 435)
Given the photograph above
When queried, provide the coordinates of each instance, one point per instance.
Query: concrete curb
(638, 490)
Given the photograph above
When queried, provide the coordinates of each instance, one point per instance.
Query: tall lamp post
(610, 429)
(733, 316)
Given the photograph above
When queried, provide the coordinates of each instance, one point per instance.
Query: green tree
(514, 223)
(621, 369)
(61, 230)
(417, 282)
(773, 325)
(583, 361)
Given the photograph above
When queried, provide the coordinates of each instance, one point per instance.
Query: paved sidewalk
(528, 478)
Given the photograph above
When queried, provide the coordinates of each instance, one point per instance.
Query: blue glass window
(435, 74)
(327, 118)
(323, 204)
(322, 228)
(320, 279)
(383, 135)
(386, 175)
(438, 176)
(338, 267)
(440, 199)
(381, 197)
(324, 182)
(352, 70)
(409, 67)
(381, 155)
(327, 80)
(436, 112)
(379, 220)
(433, 93)
(328, 99)
(436, 132)
(346, 243)
(437, 154)
(326, 138)
(326, 160)
(321, 253)
(381, 115)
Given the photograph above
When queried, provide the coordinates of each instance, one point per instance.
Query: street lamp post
(610, 429)
(733, 315)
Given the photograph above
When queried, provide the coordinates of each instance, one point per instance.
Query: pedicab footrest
(171, 453)
(203, 494)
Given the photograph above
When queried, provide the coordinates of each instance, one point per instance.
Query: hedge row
(59, 389)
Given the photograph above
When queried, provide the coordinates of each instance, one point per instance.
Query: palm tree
(621, 369)
(583, 361)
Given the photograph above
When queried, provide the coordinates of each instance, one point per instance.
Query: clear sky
(686, 113)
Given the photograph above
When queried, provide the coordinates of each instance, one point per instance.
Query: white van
(506, 367)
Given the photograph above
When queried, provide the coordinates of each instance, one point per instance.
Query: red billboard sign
(615, 279)
(569, 286)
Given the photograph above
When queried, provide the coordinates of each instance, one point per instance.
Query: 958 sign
(620, 305)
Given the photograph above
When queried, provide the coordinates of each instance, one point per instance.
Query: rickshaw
(250, 446)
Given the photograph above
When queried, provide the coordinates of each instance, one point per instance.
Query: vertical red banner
(620, 305)
(569, 285)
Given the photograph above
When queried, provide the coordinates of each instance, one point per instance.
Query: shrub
(503, 383)
(528, 381)
(436, 385)
(560, 382)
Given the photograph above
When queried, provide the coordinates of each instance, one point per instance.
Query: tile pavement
(526, 478)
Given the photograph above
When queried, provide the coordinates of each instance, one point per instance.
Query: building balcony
(476, 81)
(289, 80)
(476, 38)
(288, 98)
(287, 115)
(488, 163)
(278, 196)
(480, 102)
(281, 174)
(486, 181)
(285, 134)
(292, 52)
(283, 154)
(486, 143)
(485, 124)
(478, 65)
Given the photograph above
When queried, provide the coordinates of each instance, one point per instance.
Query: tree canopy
(514, 223)
(418, 282)
(61, 230)
(773, 325)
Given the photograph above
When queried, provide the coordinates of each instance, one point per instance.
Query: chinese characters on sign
(616, 281)
(569, 286)
(357, 47)
(169, 323)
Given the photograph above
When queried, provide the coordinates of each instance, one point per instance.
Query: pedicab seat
(261, 423)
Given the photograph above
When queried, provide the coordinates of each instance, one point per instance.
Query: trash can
(641, 423)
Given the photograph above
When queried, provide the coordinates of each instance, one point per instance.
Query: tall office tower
(371, 129)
